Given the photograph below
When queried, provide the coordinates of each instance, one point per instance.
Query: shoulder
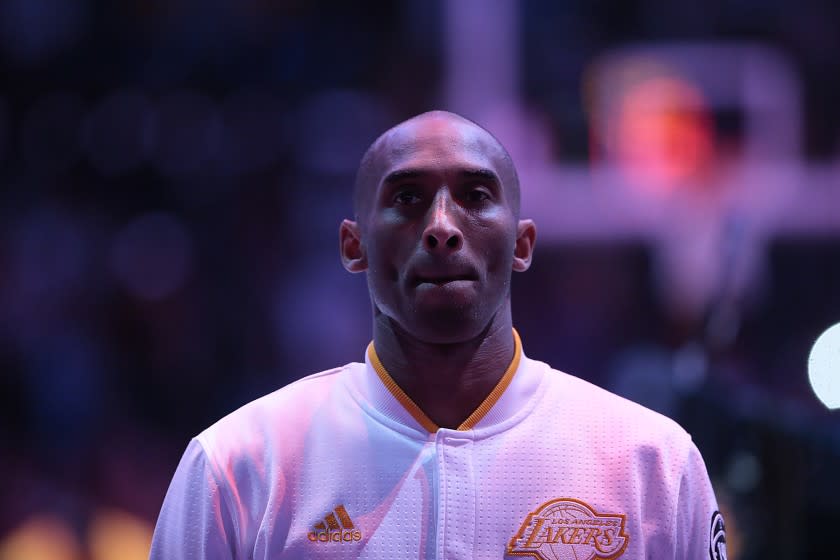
(599, 412)
(276, 420)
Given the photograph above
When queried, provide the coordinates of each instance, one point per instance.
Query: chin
(446, 325)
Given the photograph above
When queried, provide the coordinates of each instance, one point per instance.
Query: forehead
(439, 145)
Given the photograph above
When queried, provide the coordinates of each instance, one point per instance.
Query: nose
(442, 234)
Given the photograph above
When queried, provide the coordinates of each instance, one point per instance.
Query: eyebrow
(469, 173)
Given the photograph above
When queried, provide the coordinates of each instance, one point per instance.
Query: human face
(439, 235)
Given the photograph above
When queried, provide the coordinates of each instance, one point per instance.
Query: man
(447, 442)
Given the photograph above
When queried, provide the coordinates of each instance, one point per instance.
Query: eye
(478, 194)
(406, 197)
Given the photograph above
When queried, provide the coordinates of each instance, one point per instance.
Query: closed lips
(443, 279)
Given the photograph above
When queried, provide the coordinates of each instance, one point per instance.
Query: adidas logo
(336, 527)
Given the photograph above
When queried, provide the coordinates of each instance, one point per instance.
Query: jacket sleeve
(195, 521)
(699, 523)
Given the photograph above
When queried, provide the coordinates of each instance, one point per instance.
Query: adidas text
(335, 536)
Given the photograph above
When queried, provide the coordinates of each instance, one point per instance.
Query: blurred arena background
(173, 174)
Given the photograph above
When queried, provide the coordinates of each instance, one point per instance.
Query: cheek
(383, 259)
(500, 266)
(392, 244)
(496, 243)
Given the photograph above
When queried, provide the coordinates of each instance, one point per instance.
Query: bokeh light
(4, 129)
(824, 367)
(119, 132)
(664, 134)
(33, 30)
(41, 537)
(152, 256)
(256, 131)
(335, 128)
(50, 132)
(188, 133)
(119, 534)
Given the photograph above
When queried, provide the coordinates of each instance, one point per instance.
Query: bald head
(452, 132)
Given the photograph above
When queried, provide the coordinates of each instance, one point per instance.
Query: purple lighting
(152, 256)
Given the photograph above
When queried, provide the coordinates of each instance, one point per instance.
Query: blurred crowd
(173, 175)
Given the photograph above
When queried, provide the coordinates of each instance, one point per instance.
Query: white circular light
(824, 367)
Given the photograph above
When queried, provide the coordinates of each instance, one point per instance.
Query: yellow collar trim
(474, 418)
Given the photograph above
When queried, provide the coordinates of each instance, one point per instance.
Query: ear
(526, 236)
(353, 255)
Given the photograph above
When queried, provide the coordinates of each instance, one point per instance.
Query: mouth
(443, 279)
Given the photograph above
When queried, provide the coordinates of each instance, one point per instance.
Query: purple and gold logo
(569, 528)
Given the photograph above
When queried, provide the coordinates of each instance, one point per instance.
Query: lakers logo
(570, 528)
(336, 527)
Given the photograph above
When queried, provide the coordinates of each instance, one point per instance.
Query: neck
(446, 381)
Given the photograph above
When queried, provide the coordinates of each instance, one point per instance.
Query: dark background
(172, 176)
